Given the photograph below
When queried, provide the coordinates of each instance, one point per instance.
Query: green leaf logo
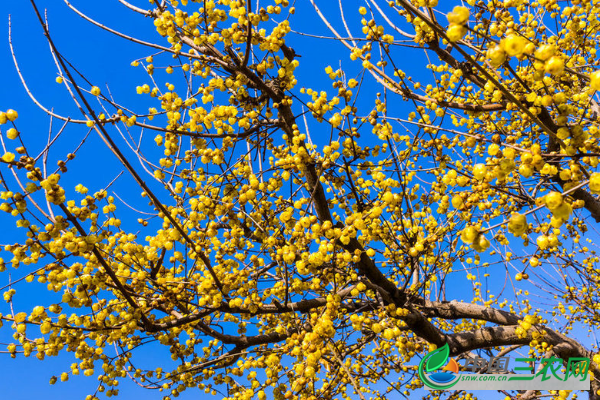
(437, 358)
(431, 362)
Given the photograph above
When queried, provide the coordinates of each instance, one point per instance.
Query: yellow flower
(545, 51)
(534, 261)
(563, 211)
(457, 202)
(517, 225)
(595, 183)
(553, 200)
(469, 234)
(595, 80)
(456, 32)
(20, 317)
(459, 15)
(480, 243)
(479, 171)
(542, 242)
(12, 133)
(514, 45)
(496, 55)
(554, 66)
(12, 115)
(8, 157)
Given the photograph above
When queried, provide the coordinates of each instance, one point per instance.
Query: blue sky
(105, 59)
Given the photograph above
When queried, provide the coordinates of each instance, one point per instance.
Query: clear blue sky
(105, 59)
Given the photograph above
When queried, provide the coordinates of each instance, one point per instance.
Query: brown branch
(446, 57)
(487, 75)
(302, 306)
(242, 135)
(229, 358)
(452, 104)
(248, 34)
(114, 148)
(484, 338)
(138, 41)
(104, 264)
(457, 310)
(247, 341)
(590, 202)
